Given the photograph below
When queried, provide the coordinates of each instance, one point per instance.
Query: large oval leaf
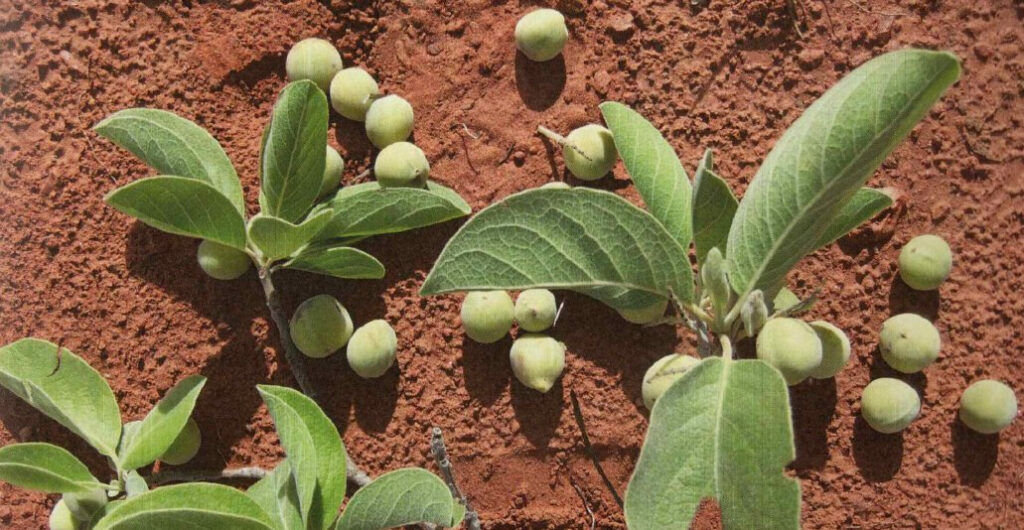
(825, 157)
(864, 205)
(401, 497)
(279, 497)
(714, 206)
(579, 239)
(162, 425)
(315, 452)
(367, 209)
(293, 156)
(654, 167)
(276, 238)
(722, 431)
(174, 146)
(64, 387)
(340, 262)
(181, 206)
(194, 505)
(45, 467)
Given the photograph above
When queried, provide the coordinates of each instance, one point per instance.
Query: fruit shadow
(486, 369)
(538, 414)
(539, 84)
(813, 403)
(878, 456)
(903, 299)
(974, 454)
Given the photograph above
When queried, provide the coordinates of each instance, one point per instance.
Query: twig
(437, 447)
(193, 475)
(470, 133)
(578, 414)
(354, 474)
(558, 313)
(792, 7)
(586, 504)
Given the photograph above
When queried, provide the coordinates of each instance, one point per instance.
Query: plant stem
(726, 343)
(561, 140)
(189, 475)
(437, 447)
(578, 414)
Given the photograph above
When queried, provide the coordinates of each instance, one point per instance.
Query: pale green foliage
(314, 59)
(222, 262)
(61, 518)
(371, 350)
(714, 206)
(388, 120)
(352, 92)
(340, 262)
(398, 498)
(988, 406)
(44, 467)
(401, 164)
(277, 239)
(320, 326)
(865, 204)
(165, 425)
(195, 505)
(362, 211)
(909, 342)
(537, 360)
(541, 34)
(536, 309)
(889, 405)
(925, 262)
(487, 316)
(84, 505)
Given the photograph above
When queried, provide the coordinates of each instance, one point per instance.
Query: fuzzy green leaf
(45, 467)
(864, 205)
(714, 206)
(277, 494)
(293, 156)
(278, 239)
(654, 168)
(173, 145)
(315, 452)
(65, 388)
(580, 239)
(367, 209)
(162, 425)
(401, 497)
(722, 431)
(195, 505)
(182, 206)
(340, 262)
(825, 157)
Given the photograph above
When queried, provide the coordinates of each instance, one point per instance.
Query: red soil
(730, 76)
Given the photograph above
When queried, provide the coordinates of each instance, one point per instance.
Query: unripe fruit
(909, 342)
(541, 34)
(401, 165)
(61, 518)
(371, 350)
(313, 59)
(835, 349)
(185, 446)
(988, 406)
(222, 262)
(556, 186)
(487, 315)
(84, 505)
(536, 309)
(791, 346)
(352, 92)
(594, 153)
(784, 300)
(389, 120)
(320, 326)
(334, 166)
(889, 405)
(537, 360)
(645, 315)
(663, 373)
(925, 262)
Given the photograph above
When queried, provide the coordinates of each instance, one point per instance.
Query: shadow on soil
(903, 299)
(486, 369)
(974, 454)
(539, 84)
(813, 404)
(878, 455)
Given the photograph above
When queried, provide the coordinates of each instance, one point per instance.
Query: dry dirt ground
(729, 75)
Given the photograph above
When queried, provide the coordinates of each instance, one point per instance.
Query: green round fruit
(556, 186)
(334, 166)
(925, 262)
(487, 315)
(84, 505)
(889, 405)
(313, 59)
(645, 315)
(537, 360)
(597, 144)
(389, 120)
(352, 92)
(541, 34)
(536, 309)
(791, 346)
(663, 373)
(909, 342)
(835, 349)
(371, 350)
(222, 262)
(185, 446)
(401, 165)
(988, 406)
(320, 326)
(61, 518)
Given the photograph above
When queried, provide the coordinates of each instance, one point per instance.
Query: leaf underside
(723, 431)
(401, 497)
(278, 496)
(194, 505)
(366, 209)
(714, 206)
(277, 239)
(340, 262)
(45, 467)
(163, 424)
(862, 207)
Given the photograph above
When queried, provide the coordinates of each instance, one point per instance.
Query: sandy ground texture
(727, 75)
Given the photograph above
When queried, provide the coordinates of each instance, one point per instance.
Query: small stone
(810, 58)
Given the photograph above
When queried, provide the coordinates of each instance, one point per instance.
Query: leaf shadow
(539, 84)
(974, 454)
(813, 403)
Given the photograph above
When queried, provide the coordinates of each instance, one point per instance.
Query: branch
(590, 449)
(437, 447)
(190, 475)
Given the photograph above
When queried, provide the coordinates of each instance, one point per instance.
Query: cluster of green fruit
(355, 95)
(321, 326)
(537, 359)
